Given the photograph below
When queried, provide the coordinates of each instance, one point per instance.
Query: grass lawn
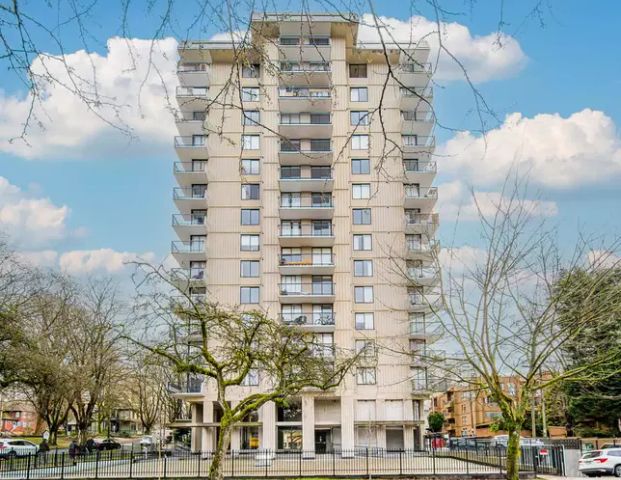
(63, 441)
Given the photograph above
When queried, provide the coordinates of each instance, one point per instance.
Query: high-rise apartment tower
(295, 196)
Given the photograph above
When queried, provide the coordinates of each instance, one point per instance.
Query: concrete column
(408, 437)
(381, 436)
(235, 438)
(268, 419)
(347, 426)
(308, 426)
(196, 438)
(208, 433)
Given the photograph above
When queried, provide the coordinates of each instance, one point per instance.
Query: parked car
(14, 447)
(108, 444)
(598, 462)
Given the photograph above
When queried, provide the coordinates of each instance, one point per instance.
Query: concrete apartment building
(306, 206)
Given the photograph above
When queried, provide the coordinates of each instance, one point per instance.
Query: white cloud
(554, 151)
(603, 259)
(40, 258)
(29, 220)
(131, 77)
(484, 58)
(79, 262)
(457, 202)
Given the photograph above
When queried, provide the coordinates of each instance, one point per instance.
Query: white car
(14, 447)
(503, 440)
(601, 462)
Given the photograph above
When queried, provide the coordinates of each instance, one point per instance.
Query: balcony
(308, 49)
(423, 276)
(186, 224)
(420, 388)
(191, 147)
(419, 171)
(307, 208)
(191, 123)
(194, 275)
(296, 293)
(192, 98)
(193, 74)
(306, 264)
(426, 356)
(421, 331)
(420, 198)
(415, 98)
(185, 252)
(190, 197)
(314, 74)
(303, 152)
(313, 100)
(422, 250)
(190, 172)
(191, 387)
(417, 143)
(421, 223)
(309, 125)
(414, 74)
(310, 321)
(307, 180)
(306, 236)
(417, 123)
(420, 303)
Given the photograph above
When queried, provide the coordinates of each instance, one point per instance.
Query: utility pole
(533, 423)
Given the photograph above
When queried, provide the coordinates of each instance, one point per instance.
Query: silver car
(14, 447)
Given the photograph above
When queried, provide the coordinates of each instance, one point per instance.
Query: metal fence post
(367, 461)
(165, 465)
(333, 462)
(400, 462)
(433, 459)
(300, 463)
(232, 463)
(28, 468)
(131, 462)
(268, 459)
(468, 462)
(97, 464)
(62, 465)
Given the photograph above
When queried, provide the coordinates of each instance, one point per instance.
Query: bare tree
(229, 348)
(501, 310)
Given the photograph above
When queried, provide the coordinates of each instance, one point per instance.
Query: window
(199, 190)
(411, 165)
(359, 117)
(248, 295)
(249, 268)
(361, 216)
(359, 142)
(412, 190)
(414, 241)
(198, 140)
(363, 268)
(320, 145)
(250, 94)
(200, 116)
(363, 294)
(365, 348)
(250, 216)
(362, 242)
(251, 379)
(357, 70)
(291, 172)
(251, 71)
(290, 118)
(198, 217)
(365, 376)
(364, 321)
(289, 40)
(250, 167)
(360, 166)
(251, 142)
(409, 140)
(249, 243)
(197, 270)
(359, 94)
(250, 117)
(360, 191)
(250, 191)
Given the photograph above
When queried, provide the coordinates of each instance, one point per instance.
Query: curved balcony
(304, 99)
(306, 264)
(306, 236)
(306, 292)
(188, 173)
(421, 331)
(422, 198)
(186, 224)
(422, 250)
(423, 303)
(426, 356)
(309, 320)
(190, 197)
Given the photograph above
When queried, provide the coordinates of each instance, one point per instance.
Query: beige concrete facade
(311, 203)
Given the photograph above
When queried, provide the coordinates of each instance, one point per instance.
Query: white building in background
(316, 215)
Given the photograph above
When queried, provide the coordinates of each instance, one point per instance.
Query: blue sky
(107, 193)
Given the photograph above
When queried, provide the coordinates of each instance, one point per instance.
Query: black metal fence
(267, 463)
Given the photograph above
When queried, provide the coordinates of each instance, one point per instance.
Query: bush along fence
(266, 463)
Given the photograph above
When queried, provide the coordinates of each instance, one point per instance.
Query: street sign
(543, 452)
(46, 435)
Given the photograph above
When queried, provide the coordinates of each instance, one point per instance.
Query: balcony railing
(416, 92)
(416, 67)
(421, 219)
(193, 273)
(306, 259)
(196, 141)
(314, 41)
(304, 93)
(191, 385)
(304, 67)
(323, 174)
(306, 231)
(314, 146)
(192, 67)
(306, 202)
(415, 116)
(412, 141)
(189, 220)
(189, 193)
(422, 273)
(190, 167)
(192, 91)
(422, 247)
(179, 246)
(307, 318)
(430, 193)
(320, 121)
(421, 167)
(306, 289)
